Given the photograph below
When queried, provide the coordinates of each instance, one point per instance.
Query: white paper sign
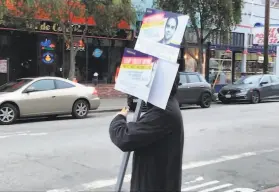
(3, 66)
(136, 74)
(161, 34)
(163, 83)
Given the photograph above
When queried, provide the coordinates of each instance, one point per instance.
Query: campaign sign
(146, 77)
(161, 34)
(136, 74)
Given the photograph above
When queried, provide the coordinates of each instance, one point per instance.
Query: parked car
(193, 90)
(254, 89)
(45, 96)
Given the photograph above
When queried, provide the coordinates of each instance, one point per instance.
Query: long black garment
(157, 141)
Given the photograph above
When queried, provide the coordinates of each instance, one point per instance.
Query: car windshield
(249, 80)
(14, 85)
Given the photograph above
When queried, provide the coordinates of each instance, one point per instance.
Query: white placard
(3, 66)
(161, 34)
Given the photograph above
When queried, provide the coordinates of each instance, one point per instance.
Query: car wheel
(255, 97)
(8, 114)
(80, 109)
(206, 100)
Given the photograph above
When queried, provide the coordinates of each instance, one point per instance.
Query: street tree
(104, 14)
(206, 17)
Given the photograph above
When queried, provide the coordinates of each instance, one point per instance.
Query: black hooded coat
(157, 140)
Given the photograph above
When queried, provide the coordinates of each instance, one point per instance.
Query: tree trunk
(72, 57)
(200, 59)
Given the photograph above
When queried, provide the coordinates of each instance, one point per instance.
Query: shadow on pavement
(247, 103)
(46, 119)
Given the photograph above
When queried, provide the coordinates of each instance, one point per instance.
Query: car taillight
(95, 92)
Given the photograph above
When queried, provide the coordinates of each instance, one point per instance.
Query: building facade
(253, 15)
(42, 50)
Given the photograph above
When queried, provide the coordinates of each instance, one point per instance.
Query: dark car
(193, 90)
(253, 89)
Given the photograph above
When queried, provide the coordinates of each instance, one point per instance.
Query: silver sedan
(45, 96)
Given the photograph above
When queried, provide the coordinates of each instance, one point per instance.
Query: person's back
(157, 140)
(157, 166)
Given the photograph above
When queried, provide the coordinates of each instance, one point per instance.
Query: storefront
(44, 52)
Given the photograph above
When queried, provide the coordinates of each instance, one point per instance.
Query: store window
(220, 67)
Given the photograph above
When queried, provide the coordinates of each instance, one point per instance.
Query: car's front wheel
(8, 114)
(255, 97)
(80, 109)
(206, 100)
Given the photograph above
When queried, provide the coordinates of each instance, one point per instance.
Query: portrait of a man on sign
(170, 29)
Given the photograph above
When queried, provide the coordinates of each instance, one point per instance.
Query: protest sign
(136, 74)
(162, 83)
(142, 76)
(161, 34)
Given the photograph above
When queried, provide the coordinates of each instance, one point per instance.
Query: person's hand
(124, 111)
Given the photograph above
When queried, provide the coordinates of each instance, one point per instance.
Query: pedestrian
(157, 140)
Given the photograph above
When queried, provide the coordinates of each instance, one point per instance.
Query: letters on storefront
(273, 37)
(47, 26)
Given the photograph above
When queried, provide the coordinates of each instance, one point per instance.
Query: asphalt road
(227, 148)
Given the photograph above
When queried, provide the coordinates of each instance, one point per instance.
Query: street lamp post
(266, 34)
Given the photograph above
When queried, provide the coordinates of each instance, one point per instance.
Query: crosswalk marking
(195, 181)
(200, 185)
(216, 188)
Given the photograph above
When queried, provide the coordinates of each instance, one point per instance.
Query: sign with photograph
(143, 76)
(136, 74)
(161, 34)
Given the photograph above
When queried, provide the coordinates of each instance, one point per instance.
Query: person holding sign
(157, 140)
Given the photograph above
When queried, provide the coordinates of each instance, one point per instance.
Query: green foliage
(206, 16)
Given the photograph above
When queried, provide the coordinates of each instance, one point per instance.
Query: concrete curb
(105, 110)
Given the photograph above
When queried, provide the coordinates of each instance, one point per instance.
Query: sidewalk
(111, 105)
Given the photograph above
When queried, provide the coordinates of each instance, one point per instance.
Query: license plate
(228, 96)
(135, 100)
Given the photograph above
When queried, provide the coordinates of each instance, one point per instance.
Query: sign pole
(126, 155)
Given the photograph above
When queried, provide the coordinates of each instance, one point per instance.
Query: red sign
(273, 37)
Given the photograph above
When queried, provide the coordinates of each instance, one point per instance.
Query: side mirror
(263, 83)
(29, 90)
(179, 84)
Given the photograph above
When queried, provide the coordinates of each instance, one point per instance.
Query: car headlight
(244, 90)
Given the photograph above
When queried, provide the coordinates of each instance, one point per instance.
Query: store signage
(48, 58)
(47, 45)
(50, 27)
(3, 66)
(273, 37)
(97, 53)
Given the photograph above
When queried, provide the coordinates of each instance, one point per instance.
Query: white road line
(241, 190)
(194, 181)
(217, 187)
(199, 186)
(110, 182)
(22, 134)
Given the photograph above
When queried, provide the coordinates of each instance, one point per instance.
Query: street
(227, 148)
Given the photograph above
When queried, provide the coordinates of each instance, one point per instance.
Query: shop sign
(97, 53)
(273, 37)
(3, 66)
(48, 58)
(51, 27)
(47, 45)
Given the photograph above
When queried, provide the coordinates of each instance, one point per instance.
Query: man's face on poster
(170, 28)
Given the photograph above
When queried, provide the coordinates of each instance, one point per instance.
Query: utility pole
(266, 34)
